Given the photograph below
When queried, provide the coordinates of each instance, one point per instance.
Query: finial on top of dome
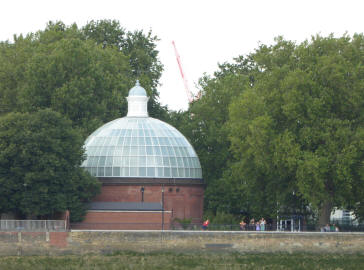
(137, 83)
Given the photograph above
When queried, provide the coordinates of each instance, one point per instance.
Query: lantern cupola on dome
(137, 101)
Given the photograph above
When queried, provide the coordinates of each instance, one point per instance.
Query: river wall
(108, 242)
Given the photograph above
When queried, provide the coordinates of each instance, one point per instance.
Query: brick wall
(183, 201)
(125, 220)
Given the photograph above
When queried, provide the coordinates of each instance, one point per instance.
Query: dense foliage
(56, 87)
(84, 73)
(40, 173)
(281, 130)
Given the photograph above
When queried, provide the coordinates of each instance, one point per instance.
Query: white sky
(206, 32)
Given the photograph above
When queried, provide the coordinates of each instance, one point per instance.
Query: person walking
(205, 224)
(262, 224)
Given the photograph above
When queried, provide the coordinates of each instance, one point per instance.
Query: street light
(162, 207)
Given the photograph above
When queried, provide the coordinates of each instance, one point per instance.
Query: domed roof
(137, 90)
(142, 147)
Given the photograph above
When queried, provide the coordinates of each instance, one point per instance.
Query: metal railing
(32, 225)
(198, 227)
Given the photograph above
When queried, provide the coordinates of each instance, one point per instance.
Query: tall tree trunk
(324, 214)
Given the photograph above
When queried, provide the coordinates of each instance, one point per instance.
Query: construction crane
(188, 92)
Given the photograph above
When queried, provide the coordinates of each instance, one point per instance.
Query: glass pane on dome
(173, 161)
(166, 161)
(176, 150)
(109, 161)
(152, 133)
(146, 132)
(125, 171)
(133, 171)
(120, 141)
(134, 140)
(100, 171)
(181, 172)
(93, 171)
(174, 172)
(170, 151)
(149, 150)
(102, 161)
(114, 141)
(141, 161)
(142, 171)
(141, 141)
(134, 150)
(164, 150)
(134, 133)
(127, 141)
(179, 162)
(111, 151)
(127, 132)
(95, 161)
(122, 133)
(125, 161)
(150, 172)
(167, 172)
(140, 133)
(148, 141)
(157, 150)
(168, 141)
(141, 150)
(133, 161)
(107, 141)
(126, 151)
(108, 171)
(118, 151)
(158, 161)
(160, 171)
(116, 171)
(160, 141)
(187, 172)
(155, 141)
(150, 161)
(117, 161)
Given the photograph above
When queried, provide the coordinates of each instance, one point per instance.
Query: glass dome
(140, 147)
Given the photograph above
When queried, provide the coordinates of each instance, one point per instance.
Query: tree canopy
(40, 173)
(56, 87)
(84, 73)
(282, 129)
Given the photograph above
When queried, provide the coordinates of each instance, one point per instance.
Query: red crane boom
(188, 92)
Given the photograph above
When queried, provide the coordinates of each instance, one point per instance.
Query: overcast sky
(206, 32)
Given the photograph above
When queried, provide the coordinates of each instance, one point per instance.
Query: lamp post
(142, 190)
(162, 207)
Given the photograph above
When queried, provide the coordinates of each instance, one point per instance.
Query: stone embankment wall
(106, 242)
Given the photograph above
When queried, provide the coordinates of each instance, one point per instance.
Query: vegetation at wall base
(199, 260)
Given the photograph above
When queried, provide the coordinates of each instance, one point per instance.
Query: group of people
(253, 225)
(330, 228)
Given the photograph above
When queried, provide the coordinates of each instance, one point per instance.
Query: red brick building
(150, 173)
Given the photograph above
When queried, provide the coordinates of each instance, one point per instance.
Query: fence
(198, 227)
(33, 225)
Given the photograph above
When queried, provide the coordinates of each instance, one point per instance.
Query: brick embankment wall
(106, 242)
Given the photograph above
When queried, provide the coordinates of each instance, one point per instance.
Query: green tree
(140, 48)
(72, 71)
(40, 173)
(204, 124)
(298, 132)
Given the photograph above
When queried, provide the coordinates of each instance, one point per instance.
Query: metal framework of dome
(140, 146)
